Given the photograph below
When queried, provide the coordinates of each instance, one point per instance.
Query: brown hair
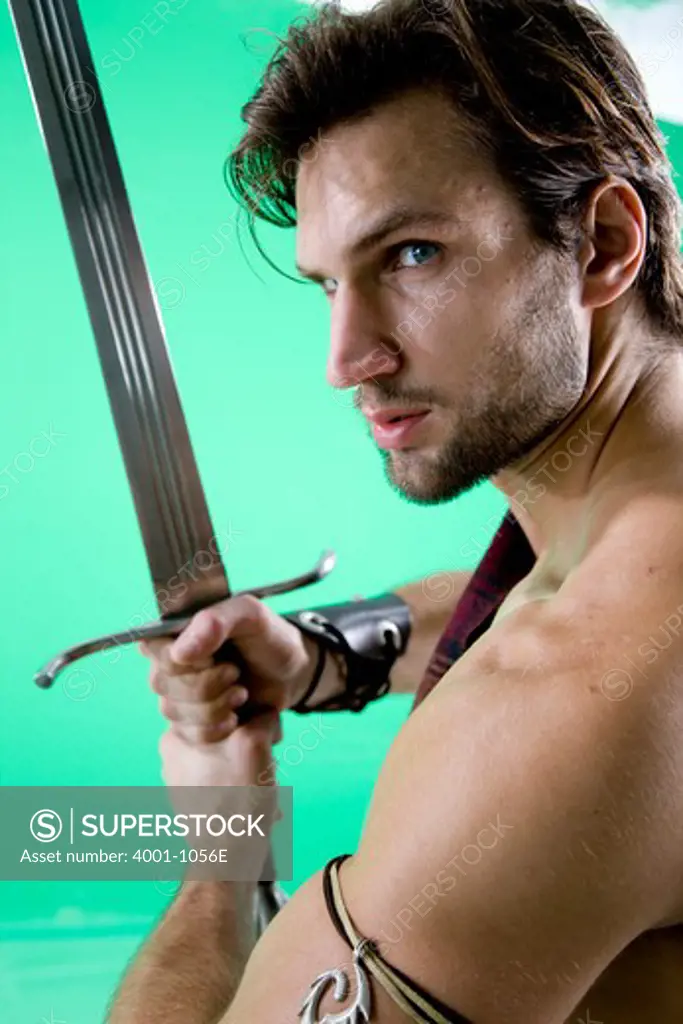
(545, 86)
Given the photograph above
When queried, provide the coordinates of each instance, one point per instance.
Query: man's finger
(211, 627)
(160, 651)
(251, 741)
(197, 735)
(210, 712)
(204, 685)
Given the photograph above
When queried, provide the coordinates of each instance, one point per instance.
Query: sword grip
(174, 625)
(229, 652)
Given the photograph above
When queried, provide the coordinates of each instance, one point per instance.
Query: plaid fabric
(507, 560)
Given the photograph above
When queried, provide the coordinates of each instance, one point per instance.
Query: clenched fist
(200, 697)
(243, 759)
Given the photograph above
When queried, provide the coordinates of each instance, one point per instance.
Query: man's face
(461, 315)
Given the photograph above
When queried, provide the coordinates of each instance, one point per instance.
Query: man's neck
(621, 438)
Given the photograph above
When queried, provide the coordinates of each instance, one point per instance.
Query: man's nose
(357, 351)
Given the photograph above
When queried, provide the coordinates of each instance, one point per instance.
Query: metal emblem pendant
(359, 1013)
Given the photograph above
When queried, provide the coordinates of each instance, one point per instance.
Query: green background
(287, 466)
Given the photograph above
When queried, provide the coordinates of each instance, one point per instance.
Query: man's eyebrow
(394, 220)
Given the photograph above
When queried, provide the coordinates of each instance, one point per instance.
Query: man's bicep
(299, 946)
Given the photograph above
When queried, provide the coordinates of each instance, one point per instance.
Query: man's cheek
(446, 293)
(432, 303)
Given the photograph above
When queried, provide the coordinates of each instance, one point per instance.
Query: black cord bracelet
(317, 676)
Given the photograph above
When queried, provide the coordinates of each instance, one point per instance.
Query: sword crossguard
(174, 625)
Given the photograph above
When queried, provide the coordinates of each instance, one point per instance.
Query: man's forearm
(190, 969)
(431, 602)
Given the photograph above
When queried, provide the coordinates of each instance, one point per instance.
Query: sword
(126, 320)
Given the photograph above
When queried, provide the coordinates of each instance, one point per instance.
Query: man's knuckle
(208, 619)
(208, 686)
(220, 706)
(190, 687)
(203, 714)
(173, 710)
(158, 680)
(230, 676)
(251, 608)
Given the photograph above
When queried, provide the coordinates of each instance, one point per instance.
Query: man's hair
(544, 87)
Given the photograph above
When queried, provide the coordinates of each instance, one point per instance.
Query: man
(487, 204)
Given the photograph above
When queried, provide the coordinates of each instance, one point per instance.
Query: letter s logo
(46, 826)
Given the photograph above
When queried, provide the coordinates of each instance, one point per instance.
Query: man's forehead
(394, 167)
(411, 138)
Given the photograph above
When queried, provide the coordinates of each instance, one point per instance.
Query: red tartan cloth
(507, 560)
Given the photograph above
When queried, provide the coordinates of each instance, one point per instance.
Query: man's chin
(417, 478)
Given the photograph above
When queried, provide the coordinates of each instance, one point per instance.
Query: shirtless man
(509, 144)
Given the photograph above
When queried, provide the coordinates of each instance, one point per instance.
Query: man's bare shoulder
(545, 768)
(604, 651)
(639, 542)
(599, 662)
(619, 607)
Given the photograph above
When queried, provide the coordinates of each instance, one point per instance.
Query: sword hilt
(174, 625)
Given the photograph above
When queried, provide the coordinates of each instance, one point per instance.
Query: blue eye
(422, 248)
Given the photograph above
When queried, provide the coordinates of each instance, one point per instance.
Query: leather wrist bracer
(369, 635)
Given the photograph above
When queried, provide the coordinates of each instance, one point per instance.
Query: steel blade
(126, 320)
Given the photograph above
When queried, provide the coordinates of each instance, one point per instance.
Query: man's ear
(613, 247)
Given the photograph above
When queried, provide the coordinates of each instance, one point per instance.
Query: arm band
(368, 635)
(368, 962)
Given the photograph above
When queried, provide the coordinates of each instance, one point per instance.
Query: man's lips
(392, 428)
(384, 417)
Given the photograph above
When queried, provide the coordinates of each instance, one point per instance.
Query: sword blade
(153, 436)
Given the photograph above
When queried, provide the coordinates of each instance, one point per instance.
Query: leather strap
(413, 1000)
(369, 635)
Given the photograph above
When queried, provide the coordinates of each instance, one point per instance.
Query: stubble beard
(529, 381)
